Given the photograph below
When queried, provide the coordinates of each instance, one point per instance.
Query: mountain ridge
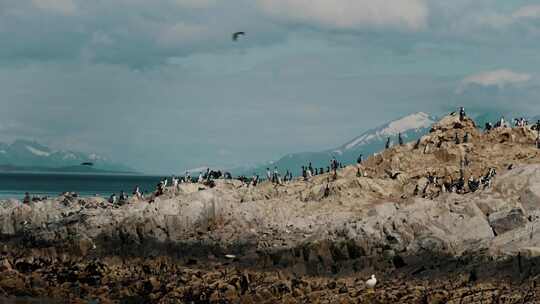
(412, 122)
(30, 155)
(411, 127)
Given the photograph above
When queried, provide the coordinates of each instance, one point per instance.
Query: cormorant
(237, 34)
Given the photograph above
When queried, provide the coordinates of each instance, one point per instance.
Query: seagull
(237, 34)
(371, 282)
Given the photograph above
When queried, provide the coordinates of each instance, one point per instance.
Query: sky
(160, 85)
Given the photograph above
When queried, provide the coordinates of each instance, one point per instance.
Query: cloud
(179, 34)
(498, 20)
(135, 33)
(528, 11)
(198, 4)
(142, 34)
(350, 14)
(65, 7)
(497, 78)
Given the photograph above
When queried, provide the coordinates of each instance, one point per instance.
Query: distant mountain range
(24, 155)
(411, 127)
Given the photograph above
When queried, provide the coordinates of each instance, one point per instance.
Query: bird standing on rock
(371, 282)
(462, 114)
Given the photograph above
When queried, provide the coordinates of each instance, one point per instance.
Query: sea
(15, 185)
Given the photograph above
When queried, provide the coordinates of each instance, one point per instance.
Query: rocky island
(313, 241)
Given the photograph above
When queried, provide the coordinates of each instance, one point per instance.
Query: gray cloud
(130, 32)
(351, 14)
(142, 34)
(499, 78)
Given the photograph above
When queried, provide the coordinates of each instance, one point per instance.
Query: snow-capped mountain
(32, 155)
(411, 127)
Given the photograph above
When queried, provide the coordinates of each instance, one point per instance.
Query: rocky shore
(63, 278)
(294, 243)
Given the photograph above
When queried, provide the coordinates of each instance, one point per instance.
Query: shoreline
(15, 185)
(127, 174)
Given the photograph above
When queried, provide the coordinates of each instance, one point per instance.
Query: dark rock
(504, 221)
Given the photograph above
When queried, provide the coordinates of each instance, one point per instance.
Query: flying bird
(237, 34)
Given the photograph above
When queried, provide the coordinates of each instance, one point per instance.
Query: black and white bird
(391, 174)
(236, 35)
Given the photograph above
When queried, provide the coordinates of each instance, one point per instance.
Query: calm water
(14, 185)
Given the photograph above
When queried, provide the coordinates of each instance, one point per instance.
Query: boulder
(530, 198)
(504, 221)
(12, 282)
(490, 205)
(530, 252)
(5, 265)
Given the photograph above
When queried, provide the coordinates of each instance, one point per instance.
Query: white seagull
(371, 282)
